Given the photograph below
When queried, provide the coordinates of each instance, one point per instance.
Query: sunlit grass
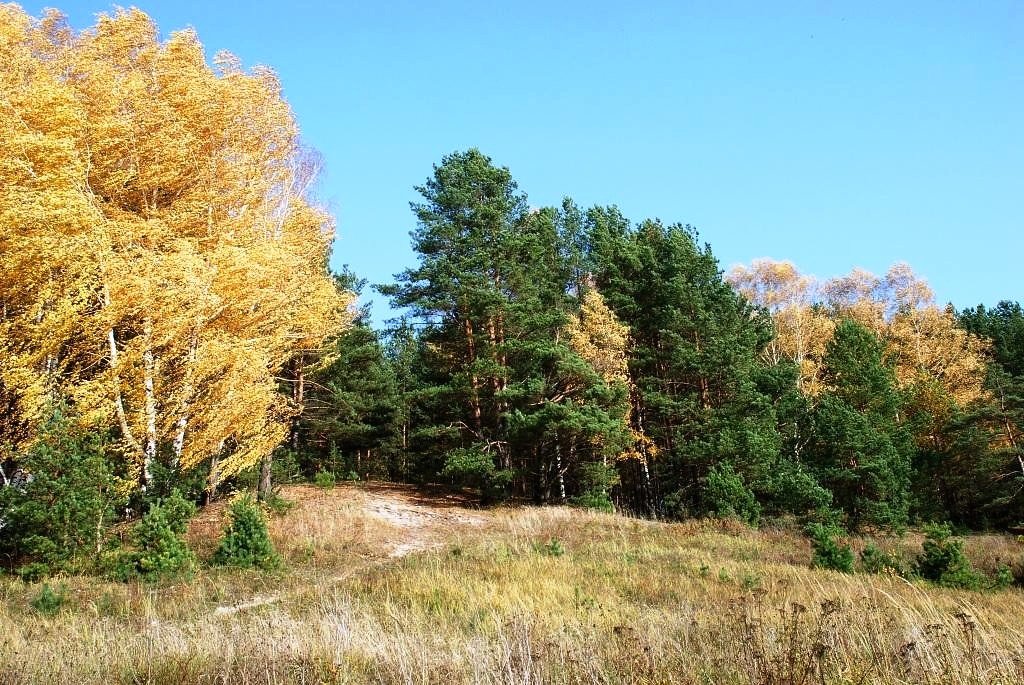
(513, 596)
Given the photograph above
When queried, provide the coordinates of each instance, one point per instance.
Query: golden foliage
(596, 335)
(802, 330)
(159, 258)
(923, 340)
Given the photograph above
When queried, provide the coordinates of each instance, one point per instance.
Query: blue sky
(831, 134)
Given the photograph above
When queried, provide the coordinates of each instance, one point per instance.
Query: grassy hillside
(386, 584)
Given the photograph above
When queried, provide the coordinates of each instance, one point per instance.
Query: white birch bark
(149, 371)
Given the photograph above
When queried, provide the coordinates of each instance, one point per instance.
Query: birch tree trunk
(560, 471)
(149, 371)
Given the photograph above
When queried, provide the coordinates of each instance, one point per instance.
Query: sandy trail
(415, 523)
(421, 526)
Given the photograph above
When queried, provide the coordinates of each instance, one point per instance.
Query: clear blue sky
(831, 134)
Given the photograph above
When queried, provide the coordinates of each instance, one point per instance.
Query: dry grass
(514, 596)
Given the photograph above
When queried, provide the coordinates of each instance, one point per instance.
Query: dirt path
(387, 521)
(422, 524)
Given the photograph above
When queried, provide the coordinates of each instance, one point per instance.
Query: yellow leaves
(152, 202)
(641, 447)
(926, 342)
(773, 285)
(923, 341)
(801, 330)
(600, 338)
(597, 335)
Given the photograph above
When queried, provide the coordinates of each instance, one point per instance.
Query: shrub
(874, 560)
(324, 479)
(1004, 578)
(794, 490)
(48, 601)
(33, 572)
(285, 467)
(552, 548)
(166, 480)
(942, 560)
(279, 505)
(475, 468)
(246, 542)
(160, 550)
(61, 513)
(828, 552)
(727, 496)
(598, 501)
(594, 480)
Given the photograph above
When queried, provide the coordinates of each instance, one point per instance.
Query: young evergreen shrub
(552, 548)
(279, 505)
(598, 501)
(57, 520)
(794, 490)
(325, 480)
(166, 480)
(285, 468)
(475, 468)
(943, 561)
(159, 547)
(594, 481)
(1004, 578)
(49, 601)
(874, 560)
(727, 496)
(828, 552)
(246, 542)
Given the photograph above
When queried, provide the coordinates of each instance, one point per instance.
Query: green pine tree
(352, 405)
(246, 542)
(58, 519)
(493, 291)
(861, 451)
(694, 360)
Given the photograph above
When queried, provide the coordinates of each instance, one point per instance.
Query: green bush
(552, 548)
(598, 501)
(796, 491)
(325, 480)
(828, 552)
(57, 522)
(246, 542)
(166, 480)
(874, 560)
(595, 479)
(279, 505)
(942, 560)
(475, 468)
(285, 467)
(1004, 578)
(159, 548)
(727, 496)
(33, 572)
(49, 601)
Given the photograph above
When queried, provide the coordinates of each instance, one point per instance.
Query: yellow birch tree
(160, 259)
(923, 341)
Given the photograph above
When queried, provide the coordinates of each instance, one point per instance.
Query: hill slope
(391, 584)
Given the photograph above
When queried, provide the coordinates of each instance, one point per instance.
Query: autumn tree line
(170, 328)
(563, 355)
